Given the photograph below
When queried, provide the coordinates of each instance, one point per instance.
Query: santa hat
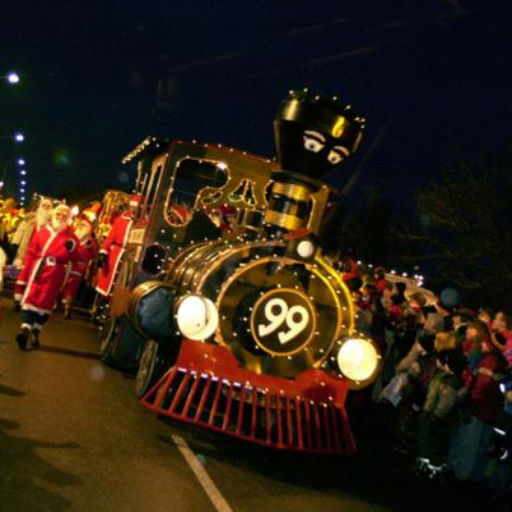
(135, 199)
(92, 212)
(180, 212)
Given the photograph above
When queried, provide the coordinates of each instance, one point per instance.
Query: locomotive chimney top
(314, 134)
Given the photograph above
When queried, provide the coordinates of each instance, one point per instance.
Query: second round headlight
(358, 359)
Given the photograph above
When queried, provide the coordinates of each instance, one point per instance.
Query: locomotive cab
(190, 194)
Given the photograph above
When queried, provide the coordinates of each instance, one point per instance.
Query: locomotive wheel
(152, 364)
(110, 331)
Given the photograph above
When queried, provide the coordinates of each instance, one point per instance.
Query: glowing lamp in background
(75, 210)
(13, 77)
(358, 360)
(197, 317)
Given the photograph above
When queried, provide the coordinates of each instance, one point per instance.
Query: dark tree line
(464, 229)
(458, 229)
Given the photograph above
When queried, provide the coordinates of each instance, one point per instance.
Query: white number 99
(284, 314)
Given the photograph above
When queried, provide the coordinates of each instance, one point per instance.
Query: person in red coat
(44, 273)
(113, 248)
(473, 440)
(87, 250)
(32, 223)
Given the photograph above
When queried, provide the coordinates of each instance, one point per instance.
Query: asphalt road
(73, 437)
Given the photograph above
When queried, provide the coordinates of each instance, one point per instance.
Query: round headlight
(358, 359)
(197, 317)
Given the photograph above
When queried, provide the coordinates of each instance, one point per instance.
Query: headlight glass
(358, 359)
(197, 317)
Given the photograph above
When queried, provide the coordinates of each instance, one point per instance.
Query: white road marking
(201, 474)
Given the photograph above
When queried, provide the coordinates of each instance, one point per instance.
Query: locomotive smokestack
(313, 136)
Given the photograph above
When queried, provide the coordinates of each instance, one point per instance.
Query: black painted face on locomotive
(314, 135)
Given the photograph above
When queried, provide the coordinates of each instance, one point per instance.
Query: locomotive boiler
(248, 330)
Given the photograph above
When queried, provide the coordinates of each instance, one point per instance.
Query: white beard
(59, 225)
(42, 217)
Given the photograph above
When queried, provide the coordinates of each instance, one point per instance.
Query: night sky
(432, 77)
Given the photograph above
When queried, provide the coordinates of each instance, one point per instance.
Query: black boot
(34, 342)
(22, 338)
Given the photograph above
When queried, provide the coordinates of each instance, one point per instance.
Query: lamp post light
(11, 77)
(21, 161)
(16, 136)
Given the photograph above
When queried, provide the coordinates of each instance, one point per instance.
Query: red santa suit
(113, 247)
(44, 271)
(86, 251)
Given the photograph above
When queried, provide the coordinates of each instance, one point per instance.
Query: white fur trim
(101, 292)
(29, 307)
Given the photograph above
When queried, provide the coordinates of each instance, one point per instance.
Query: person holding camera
(44, 272)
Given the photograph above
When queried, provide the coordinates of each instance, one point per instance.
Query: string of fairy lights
(22, 175)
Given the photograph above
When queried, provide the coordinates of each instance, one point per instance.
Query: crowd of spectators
(441, 396)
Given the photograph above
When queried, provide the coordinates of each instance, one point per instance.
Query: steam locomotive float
(223, 303)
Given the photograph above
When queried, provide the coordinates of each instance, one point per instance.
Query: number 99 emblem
(283, 321)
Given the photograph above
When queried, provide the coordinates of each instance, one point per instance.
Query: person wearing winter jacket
(475, 428)
(436, 421)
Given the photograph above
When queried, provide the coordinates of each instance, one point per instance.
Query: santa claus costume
(113, 247)
(87, 250)
(44, 273)
(32, 223)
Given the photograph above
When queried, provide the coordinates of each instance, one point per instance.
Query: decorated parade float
(222, 302)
